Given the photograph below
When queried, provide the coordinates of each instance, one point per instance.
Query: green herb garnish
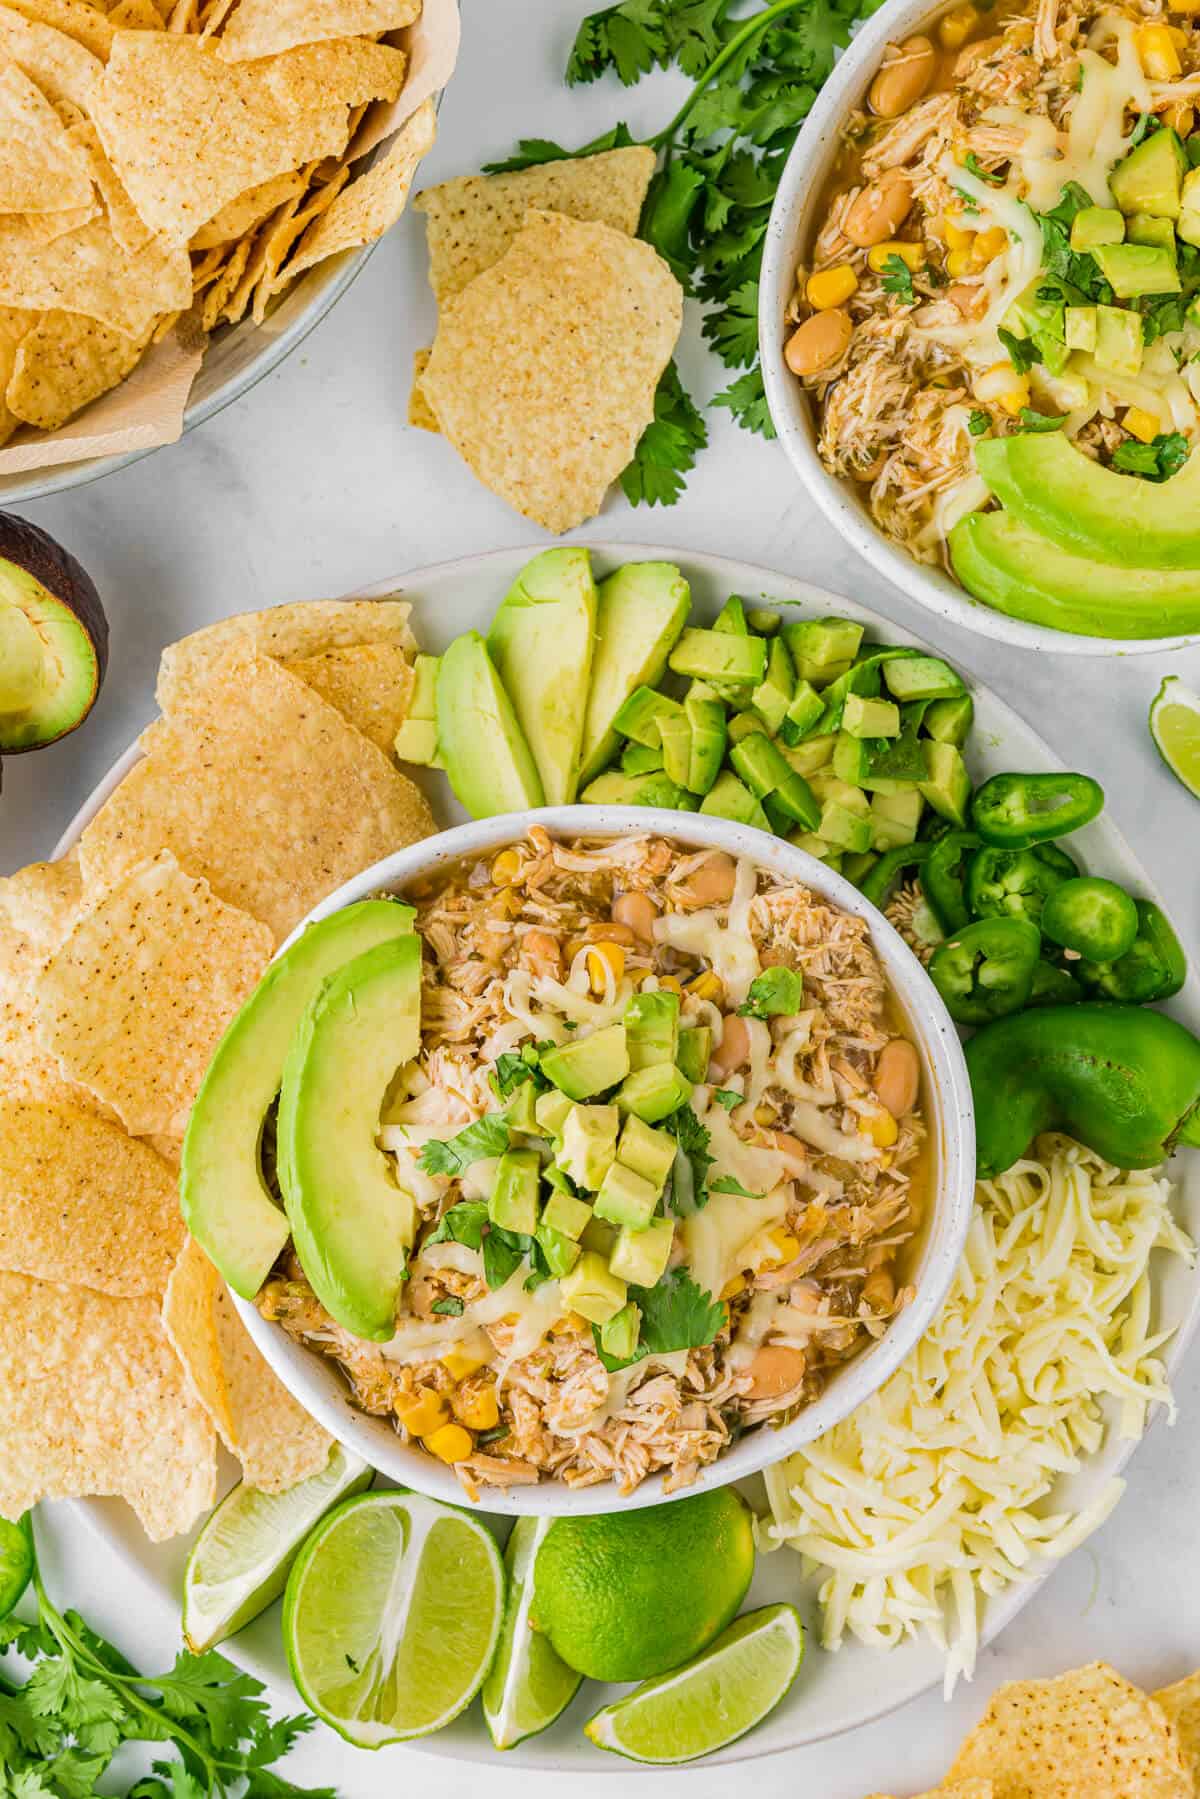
(726, 1097)
(1040, 422)
(897, 279)
(450, 1307)
(1158, 460)
(979, 422)
(1022, 351)
(488, 1136)
(974, 167)
(676, 1314)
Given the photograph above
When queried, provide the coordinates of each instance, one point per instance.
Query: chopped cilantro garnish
(1158, 460)
(488, 1136)
(449, 1307)
(1022, 351)
(515, 1067)
(464, 1223)
(726, 1183)
(725, 1096)
(774, 993)
(468, 1223)
(667, 448)
(688, 1190)
(974, 167)
(979, 422)
(1040, 422)
(897, 279)
(676, 1314)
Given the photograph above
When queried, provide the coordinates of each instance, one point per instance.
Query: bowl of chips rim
(314, 1380)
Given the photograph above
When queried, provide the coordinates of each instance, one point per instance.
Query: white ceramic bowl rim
(322, 1391)
(789, 232)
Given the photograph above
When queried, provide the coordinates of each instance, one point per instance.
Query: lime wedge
(713, 1699)
(529, 1684)
(240, 1561)
(16, 1562)
(392, 1615)
(1175, 728)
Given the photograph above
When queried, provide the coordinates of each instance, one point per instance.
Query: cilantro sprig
(487, 1136)
(83, 1701)
(676, 1314)
(1158, 460)
(897, 279)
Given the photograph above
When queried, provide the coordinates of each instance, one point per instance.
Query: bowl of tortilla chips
(186, 189)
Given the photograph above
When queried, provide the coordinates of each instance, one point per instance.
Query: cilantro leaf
(897, 279)
(488, 1136)
(463, 1223)
(1155, 461)
(667, 447)
(629, 39)
(449, 1307)
(515, 1067)
(979, 422)
(1022, 351)
(726, 1097)
(676, 1314)
(726, 1183)
(689, 1176)
(974, 167)
(503, 1253)
(1040, 422)
(733, 330)
(746, 398)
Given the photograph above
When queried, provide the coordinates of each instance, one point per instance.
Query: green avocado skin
(634, 1594)
(1013, 568)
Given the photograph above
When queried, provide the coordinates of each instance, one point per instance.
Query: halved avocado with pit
(53, 639)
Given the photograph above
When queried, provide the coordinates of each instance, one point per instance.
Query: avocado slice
(947, 785)
(352, 1225)
(1054, 488)
(225, 1201)
(490, 765)
(590, 1064)
(416, 740)
(640, 611)
(541, 645)
(720, 656)
(1132, 270)
(1150, 178)
(1012, 567)
(53, 639)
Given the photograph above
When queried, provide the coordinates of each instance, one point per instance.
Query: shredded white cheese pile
(929, 1496)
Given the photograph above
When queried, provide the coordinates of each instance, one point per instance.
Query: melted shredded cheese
(931, 1495)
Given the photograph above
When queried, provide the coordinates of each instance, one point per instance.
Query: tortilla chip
(135, 15)
(94, 1402)
(83, 1203)
(420, 412)
(247, 211)
(37, 909)
(370, 684)
(218, 294)
(41, 170)
(1181, 1703)
(62, 68)
(74, 18)
(372, 204)
(64, 362)
(289, 224)
(273, 1437)
(304, 628)
(544, 370)
(124, 220)
(471, 222)
(261, 787)
(1089, 1731)
(89, 271)
(265, 27)
(188, 132)
(13, 325)
(135, 999)
(41, 901)
(966, 1789)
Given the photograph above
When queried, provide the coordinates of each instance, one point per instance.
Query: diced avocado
(706, 716)
(551, 1111)
(759, 764)
(1149, 179)
(746, 724)
(416, 740)
(513, 1204)
(728, 798)
(1037, 313)
(813, 754)
(626, 1198)
(641, 1257)
(1187, 226)
(613, 788)
(803, 714)
(225, 1201)
(826, 785)
(812, 845)
(599, 1237)
(781, 822)
(695, 1049)
(719, 656)
(351, 1224)
(660, 790)
(652, 1028)
(1079, 323)
(619, 1337)
(795, 799)
(589, 1143)
(732, 617)
(676, 735)
(775, 993)
(763, 620)
(521, 1110)
(639, 759)
(1132, 270)
(652, 1094)
(588, 1065)
(592, 1291)
(844, 829)
(921, 678)
(641, 714)
(851, 759)
(774, 693)
(488, 761)
(950, 720)
(895, 817)
(947, 785)
(541, 644)
(564, 1213)
(1094, 225)
(857, 868)
(1145, 229)
(561, 1251)
(870, 718)
(819, 647)
(640, 611)
(1119, 340)
(647, 1152)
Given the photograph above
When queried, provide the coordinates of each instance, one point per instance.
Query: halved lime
(392, 1615)
(16, 1561)
(1175, 728)
(241, 1559)
(529, 1684)
(713, 1699)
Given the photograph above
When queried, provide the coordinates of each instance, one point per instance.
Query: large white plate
(833, 1693)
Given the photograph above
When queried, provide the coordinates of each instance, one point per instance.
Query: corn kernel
(1141, 424)
(450, 1444)
(1180, 117)
(422, 1413)
(669, 983)
(829, 287)
(1178, 36)
(957, 236)
(1185, 5)
(765, 1114)
(604, 959)
(1016, 399)
(506, 868)
(988, 244)
(957, 26)
(958, 264)
(880, 1127)
(732, 1288)
(459, 1363)
(786, 1244)
(476, 1406)
(911, 255)
(707, 986)
(1159, 56)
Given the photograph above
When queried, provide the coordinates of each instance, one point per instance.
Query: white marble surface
(314, 484)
